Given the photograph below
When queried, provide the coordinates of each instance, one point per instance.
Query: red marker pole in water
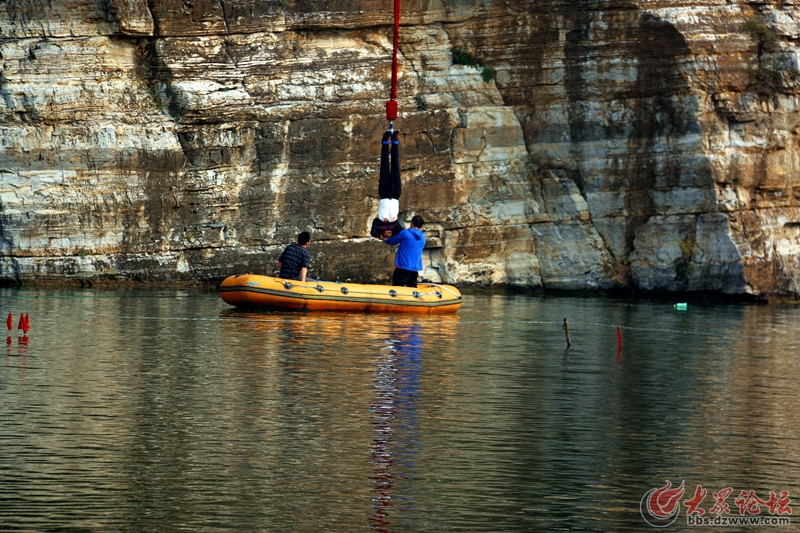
(619, 339)
(26, 324)
(10, 322)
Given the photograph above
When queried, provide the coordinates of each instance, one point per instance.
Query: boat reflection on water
(394, 416)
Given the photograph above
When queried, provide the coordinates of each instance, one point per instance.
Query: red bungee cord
(391, 104)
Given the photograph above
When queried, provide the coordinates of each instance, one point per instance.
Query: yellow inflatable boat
(266, 292)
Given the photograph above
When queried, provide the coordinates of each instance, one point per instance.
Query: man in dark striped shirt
(295, 259)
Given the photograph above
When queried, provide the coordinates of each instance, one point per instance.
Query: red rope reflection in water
(396, 384)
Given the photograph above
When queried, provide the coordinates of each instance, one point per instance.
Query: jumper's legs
(389, 184)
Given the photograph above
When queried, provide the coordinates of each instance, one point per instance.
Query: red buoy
(26, 324)
(21, 324)
(10, 322)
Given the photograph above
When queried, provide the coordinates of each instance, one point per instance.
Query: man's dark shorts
(404, 278)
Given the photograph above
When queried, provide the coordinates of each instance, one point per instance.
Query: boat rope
(351, 292)
(443, 287)
(377, 295)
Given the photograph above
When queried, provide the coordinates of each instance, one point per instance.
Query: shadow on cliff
(10, 265)
(659, 114)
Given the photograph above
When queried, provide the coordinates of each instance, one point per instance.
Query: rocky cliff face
(585, 144)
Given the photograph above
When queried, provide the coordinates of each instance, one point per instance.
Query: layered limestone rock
(583, 145)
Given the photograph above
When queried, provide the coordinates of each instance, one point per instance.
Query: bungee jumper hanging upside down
(387, 223)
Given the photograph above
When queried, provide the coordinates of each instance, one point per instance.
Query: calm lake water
(168, 410)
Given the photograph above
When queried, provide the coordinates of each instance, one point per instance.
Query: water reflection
(169, 411)
(396, 383)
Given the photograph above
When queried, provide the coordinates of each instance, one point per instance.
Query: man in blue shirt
(408, 261)
(295, 259)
